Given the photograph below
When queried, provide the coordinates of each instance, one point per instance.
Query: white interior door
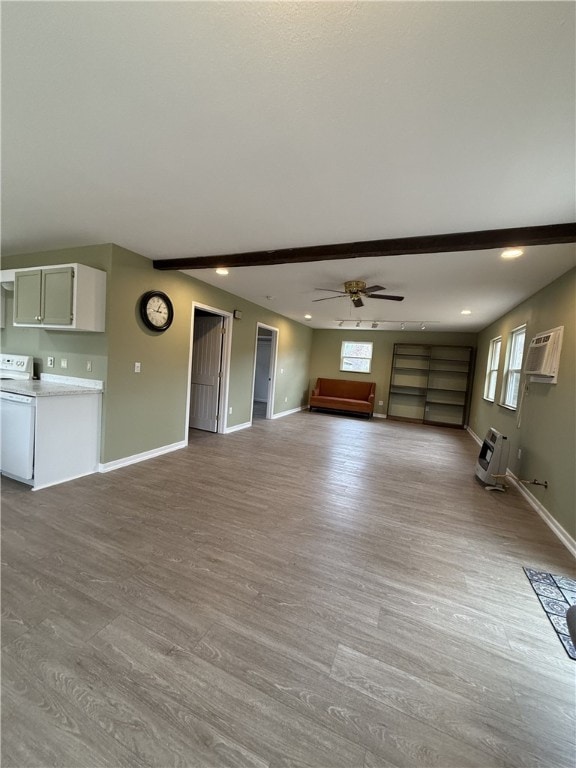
(206, 372)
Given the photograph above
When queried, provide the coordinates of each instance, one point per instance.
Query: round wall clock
(156, 310)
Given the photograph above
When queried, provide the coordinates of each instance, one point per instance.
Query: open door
(206, 371)
(264, 372)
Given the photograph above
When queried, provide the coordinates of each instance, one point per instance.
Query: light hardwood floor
(315, 591)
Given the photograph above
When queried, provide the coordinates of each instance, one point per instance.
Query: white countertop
(35, 388)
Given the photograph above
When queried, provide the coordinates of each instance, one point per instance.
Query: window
(356, 356)
(492, 369)
(512, 379)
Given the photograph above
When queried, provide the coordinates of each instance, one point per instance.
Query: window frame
(492, 369)
(343, 356)
(513, 372)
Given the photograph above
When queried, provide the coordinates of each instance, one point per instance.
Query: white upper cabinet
(66, 297)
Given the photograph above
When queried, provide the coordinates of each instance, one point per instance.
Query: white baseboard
(238, 427)
(474, 436)
(380, 415)
(138, 457)
(247, 424)
(288, 413)
(550, 521)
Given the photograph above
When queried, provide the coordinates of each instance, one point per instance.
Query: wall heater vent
(493, 460)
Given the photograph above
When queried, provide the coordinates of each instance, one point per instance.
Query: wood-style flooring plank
(314, 592)
(242, 711)
(506, 739)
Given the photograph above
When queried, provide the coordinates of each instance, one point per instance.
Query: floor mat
(556, 594)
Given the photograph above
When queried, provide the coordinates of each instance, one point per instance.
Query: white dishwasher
(17, 420)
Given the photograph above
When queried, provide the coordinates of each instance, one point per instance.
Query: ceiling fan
(356, 289)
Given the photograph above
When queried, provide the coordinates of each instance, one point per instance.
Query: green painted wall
(146, 411)
(326, 346)
(547, 431)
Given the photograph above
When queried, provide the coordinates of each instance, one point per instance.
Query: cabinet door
(27, 296)
(57, 291)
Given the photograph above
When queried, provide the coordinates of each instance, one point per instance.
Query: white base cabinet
(66, 439)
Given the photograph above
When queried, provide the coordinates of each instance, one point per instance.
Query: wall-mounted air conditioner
(543, 356)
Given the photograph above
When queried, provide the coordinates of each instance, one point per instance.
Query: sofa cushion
(341, 404)
(343, 388)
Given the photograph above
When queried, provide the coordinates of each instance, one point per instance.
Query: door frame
(272, 370)
(225, 367)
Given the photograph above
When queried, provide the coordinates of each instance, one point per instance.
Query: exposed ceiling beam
(456, 241)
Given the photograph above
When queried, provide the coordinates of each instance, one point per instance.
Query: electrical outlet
(50, 362)
(89, 366)
(63, 363)
(380, 402)
(137, 367)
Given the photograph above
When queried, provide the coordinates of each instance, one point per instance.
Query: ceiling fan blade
(327, 298)
(357, 301)
(373, 288)
(388, 298)
(332, 290)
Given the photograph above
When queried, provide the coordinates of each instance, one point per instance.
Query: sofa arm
(315, 392)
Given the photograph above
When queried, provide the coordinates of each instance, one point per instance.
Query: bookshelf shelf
(431, 384)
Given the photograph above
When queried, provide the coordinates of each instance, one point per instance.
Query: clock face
(156, 310)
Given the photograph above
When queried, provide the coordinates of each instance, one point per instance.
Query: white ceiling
(199, 128)
(436, 287)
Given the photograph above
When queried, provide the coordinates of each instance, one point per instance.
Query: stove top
(16, 367)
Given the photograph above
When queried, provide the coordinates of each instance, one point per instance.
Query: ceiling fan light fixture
(355, 290)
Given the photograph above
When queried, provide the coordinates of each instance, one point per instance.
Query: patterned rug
(556, 594)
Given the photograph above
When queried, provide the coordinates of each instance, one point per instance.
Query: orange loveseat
(343, 395)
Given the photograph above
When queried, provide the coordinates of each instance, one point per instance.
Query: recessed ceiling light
(221, 271)
(466, 312)
(512, 253)
(307, 317)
